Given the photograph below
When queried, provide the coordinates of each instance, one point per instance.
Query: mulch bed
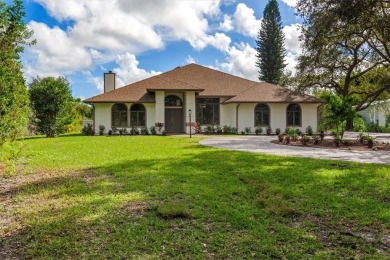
(353, 145)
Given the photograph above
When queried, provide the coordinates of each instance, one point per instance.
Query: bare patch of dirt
(352, 145)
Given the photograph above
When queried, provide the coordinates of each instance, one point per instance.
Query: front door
(174, 120)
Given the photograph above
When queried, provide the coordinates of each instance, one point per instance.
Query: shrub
(370, 141)
(101, 129)
(376, 128)
(305, 139)
(316, 139)
(110, 132)
(337, 140)
(309, 131)
(286, 130)
(159, 126)
(196, 128)
(234, 130)
(277, 131)
(152, 130)
(298, 131)
(242, 132)
(209, 129)
(122, 131)
(226, 129)
(280, 137)
(359, 125)
(88, 129)
(114, 130)
(134, 131)
(247, 130)
(322, 135)
(144, 130)
(292, 133)
(268, 130)
(218, 129)
(259, 130)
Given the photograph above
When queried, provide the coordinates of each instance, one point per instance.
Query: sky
(136, 39)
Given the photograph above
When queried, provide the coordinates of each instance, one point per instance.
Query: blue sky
(82, 39)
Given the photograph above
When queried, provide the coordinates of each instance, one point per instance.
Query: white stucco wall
(189, 103)
(160, 107)
(376, 113)
(227, 114)
(102, 116)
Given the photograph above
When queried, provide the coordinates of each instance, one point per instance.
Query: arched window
(173, 101)
(137, 115)
(262, 115)
(294, 115)
(119, 115)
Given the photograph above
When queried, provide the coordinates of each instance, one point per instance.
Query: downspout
(238, 105)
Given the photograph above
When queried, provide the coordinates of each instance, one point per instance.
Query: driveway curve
(262, 144)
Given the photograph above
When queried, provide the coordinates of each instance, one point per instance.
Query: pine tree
(270, 45)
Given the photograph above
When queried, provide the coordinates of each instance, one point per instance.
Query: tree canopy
(346, 48)
(51, 102)
(14, 35)
(270, 45)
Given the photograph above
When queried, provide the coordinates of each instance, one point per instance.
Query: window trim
(127, 116)
(137, 111)
(300, 118)
(269, 115)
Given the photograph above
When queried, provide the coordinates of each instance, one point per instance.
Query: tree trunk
(349, 125)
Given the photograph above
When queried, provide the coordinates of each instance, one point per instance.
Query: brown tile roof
(205, 81)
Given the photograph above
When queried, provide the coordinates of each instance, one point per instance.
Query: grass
(169, 197)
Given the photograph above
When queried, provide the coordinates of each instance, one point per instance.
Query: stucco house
(377, 112)
(213, 97)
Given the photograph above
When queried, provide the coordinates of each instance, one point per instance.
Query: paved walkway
(262, 144)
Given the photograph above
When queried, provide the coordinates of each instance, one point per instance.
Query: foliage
(280, 137)
(134, 131)
(78, 111)
(209, 129)
(218, 129)
(339, 111)
(114, 130)
(123, 131)
(101, 129)
(375, 128)
(226, 129)
(316, 139)
(346, 48)
(305, 139)
(258, 130)
(152, 130)
(144, 131)
(268, 130)
(247, 130)
(277, 131)
(234, 130)
(309, 131)
(14, 35)
(88, 130)
(51, 100)
(358, 124)
(270, 45)
(196, 127)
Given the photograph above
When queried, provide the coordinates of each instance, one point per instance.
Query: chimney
(109, 81)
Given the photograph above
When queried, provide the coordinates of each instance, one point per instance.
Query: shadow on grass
(240, 205)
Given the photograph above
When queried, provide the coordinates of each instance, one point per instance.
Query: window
(293, 115)
(137, 115)
(262, 115)
(173, 101)
(207, 111)
(119, 115)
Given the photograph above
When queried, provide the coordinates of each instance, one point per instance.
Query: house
(376, 113)
(213, 97)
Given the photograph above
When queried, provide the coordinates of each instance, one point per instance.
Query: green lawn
(152, 197)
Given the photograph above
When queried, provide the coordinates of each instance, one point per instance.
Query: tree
(50, 100)
(346, 48)
(14, 35)
(79, 111)
(338, 112)
(270, 45)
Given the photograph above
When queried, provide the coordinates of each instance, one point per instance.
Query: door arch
(174, 122)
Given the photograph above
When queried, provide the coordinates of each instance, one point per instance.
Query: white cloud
(291, 61)
(97, 81)
(128, 71)
(240, 61)
(190, 60)
(291, 3)
(98, 31)
(292, 33)
(55, 52)
(245, 21)
(227, 24)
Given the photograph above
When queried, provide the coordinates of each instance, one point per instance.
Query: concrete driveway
(262, 144)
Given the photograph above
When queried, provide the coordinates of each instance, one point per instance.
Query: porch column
(189, 104)
(160, 107)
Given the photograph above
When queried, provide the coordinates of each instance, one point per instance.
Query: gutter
(238, 105)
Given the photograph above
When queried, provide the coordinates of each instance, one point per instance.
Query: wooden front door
(174, 120)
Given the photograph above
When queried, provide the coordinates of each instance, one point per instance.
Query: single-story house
(377, 112)
(213, 97)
